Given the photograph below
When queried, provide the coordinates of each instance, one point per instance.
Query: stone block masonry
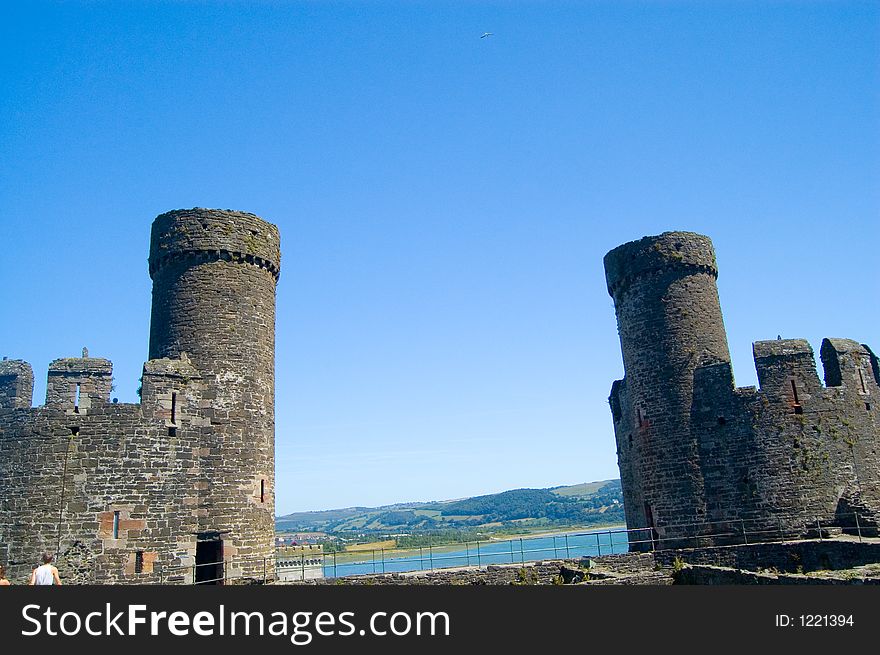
(138, 493)
(697, 454)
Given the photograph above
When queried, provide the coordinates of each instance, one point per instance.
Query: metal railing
(741, 531)
(593, 543)
(237, 570)
(477, 553)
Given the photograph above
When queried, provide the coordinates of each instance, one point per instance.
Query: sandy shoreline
(556, 533)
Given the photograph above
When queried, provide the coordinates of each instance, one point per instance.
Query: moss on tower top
(241, 235)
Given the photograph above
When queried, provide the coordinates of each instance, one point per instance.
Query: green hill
(592, 503)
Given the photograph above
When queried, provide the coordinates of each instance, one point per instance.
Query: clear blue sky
(444, 202)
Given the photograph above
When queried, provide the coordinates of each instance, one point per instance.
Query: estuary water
(590, 543)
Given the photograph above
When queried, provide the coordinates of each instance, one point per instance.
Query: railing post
(510, 545)
(303, 567)
(522, 557)
(467, 553)
(335, 574)
(431, 555)
(421, 560)
(374, 560)
(743, 526)
(383, 560)
(555, 552)
(479, 563)
(598, 544)
(819, 529)
(567, 552)
(858, 527)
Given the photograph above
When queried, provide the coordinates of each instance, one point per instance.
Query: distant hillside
(590, 503)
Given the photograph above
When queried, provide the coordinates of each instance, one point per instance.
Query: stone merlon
(16, 384)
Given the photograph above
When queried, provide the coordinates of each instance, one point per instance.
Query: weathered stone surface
(122, 493)
(699, 456)
(16, 384)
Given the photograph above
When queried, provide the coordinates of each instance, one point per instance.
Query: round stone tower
(214, 275)
(669, 320)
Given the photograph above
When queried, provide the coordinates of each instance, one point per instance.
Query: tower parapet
(654, 255)
(212, 235)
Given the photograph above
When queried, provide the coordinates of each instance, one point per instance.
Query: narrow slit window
(639, 414)
(76, 398)
(862, 380)
(262, 491)
(174, 408)
(116, 525)
(139, 561)
(794, 391)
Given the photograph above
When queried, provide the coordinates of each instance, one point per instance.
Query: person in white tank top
(45, 574)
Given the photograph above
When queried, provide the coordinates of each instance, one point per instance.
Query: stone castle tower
(670, 322)
(698, 455)
(180, 487)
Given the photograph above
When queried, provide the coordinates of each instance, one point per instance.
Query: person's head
(2, 571)
(47, 558)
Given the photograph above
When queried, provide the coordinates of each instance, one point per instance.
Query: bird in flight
(485, 34)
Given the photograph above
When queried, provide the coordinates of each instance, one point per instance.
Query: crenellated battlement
(80, 384)
(786, 368)
(787, 375)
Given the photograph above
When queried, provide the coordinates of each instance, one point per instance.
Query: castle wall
(125, 493)
(793, 451)
(96, 487)
(714, 458)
